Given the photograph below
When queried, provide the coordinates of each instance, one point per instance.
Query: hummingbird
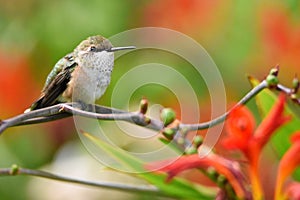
(82, 75)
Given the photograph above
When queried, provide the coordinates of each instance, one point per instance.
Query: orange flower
(242, 136)
(182, 15)
(280, 36)
(240, 126)
(230, 169)
(287, 165)
(17, 86)
(293, 191)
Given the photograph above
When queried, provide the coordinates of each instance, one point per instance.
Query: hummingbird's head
(96, 44)
(93, 44)
(96, 51)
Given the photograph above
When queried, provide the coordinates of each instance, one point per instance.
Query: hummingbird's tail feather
(36, 105)
(53, 91)
(40, 103)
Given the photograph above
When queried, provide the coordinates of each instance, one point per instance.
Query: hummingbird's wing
(56, 83)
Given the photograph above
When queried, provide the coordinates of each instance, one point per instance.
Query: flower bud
(191, 150)
(14, 169)
(198, 140)
(167, 115)
(296, 84)
(274, 71)
(168, 133)
(272, 80)
(143, 106)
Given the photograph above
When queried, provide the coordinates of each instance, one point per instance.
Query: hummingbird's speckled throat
(82, 75)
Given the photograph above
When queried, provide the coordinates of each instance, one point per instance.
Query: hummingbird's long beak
(120, 48)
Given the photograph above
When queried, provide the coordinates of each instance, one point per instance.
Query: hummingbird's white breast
(91, 77)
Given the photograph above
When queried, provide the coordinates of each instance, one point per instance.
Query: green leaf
(120, 156)
(172, 145)
(281, 139)
(178, 188)
(265, 100)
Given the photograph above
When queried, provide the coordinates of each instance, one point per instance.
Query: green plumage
(56, 82)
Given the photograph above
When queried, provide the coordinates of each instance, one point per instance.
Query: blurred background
(242, 37)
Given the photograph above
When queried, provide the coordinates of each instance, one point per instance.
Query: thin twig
(244, 100)
(132, 117)
(52, 110)
(290, 92)
(149, 189)
(284, 89)
(96, 108)
(38, 120)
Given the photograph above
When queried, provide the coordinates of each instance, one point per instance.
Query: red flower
(17, 86)
(242, 136)
(280, 36)
(287, 165)
(182, 15)
(292, 191)
(240, 126)
(230, 169)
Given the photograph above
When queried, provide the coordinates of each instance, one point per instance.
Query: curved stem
(109, 185)
(257, 192)
(244, 100)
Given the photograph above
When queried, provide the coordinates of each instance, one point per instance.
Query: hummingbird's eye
(93, 48)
